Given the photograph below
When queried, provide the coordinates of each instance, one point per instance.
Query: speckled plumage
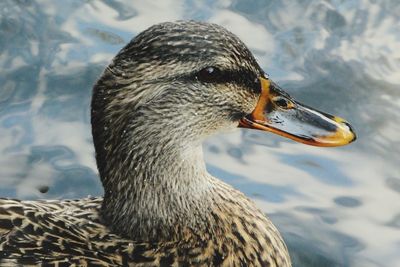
(151, 110)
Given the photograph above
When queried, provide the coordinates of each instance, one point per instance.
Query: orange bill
(278, 113)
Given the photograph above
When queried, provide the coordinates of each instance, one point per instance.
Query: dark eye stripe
(241, 77)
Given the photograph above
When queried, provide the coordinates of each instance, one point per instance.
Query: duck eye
(283, 102)
(208, 74)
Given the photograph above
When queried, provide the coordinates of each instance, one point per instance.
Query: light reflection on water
(335, 207)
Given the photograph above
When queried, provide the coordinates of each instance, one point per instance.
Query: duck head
(194, 79)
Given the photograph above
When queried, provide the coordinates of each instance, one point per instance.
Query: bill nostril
(281, 102)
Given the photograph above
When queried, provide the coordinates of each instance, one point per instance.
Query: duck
(171, 87)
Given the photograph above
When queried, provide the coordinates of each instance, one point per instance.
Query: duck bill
(278, 113)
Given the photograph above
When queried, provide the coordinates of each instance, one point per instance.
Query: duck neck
(156, 184)
(158, 190)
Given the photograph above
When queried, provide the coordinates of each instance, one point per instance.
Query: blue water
(334, 207)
